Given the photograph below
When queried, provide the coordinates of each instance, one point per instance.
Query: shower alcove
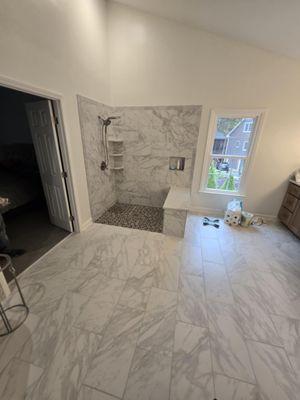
(150, 150)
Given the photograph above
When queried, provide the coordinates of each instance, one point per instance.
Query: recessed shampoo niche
(176, 163)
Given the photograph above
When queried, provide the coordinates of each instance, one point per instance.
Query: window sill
(219, 192)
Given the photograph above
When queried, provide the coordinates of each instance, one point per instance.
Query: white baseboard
(86, 224)
(206, 211)
(220, 213)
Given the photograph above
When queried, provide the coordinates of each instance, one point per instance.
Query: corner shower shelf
(116, 154)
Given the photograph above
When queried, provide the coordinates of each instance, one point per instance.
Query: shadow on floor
(31, 230)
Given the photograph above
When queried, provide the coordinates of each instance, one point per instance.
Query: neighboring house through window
(245, 146)
(230, 146)
(248, 125)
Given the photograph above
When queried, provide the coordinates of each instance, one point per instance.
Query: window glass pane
(231, 134)
(225, 174)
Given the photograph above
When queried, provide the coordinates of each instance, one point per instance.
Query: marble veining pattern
(174, 222)
(192, 377)
(101, 184)
(150, 136)
(124, 314)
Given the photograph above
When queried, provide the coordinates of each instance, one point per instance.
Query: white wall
(60, 46)
(155, 61)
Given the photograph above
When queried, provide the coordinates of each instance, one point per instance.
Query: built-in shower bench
(176, 208)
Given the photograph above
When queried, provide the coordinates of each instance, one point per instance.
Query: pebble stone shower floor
(134, 216)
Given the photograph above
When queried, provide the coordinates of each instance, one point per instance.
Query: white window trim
(237, 144)
(228, 113)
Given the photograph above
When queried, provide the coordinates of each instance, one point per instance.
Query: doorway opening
(35, 207)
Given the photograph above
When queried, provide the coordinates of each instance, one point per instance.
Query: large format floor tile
(111, 360)
(229, 351)
(255, 321)
(117, 313)
(276, 378)
(87, 393)
(18, 380)
(192, 377)
(232, 389)
(217, 284)
(157, 331)
(63, 377)
(191, 300)
(149, 376)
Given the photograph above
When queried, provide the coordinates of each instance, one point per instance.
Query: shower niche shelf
(115, 140)
(116, 154)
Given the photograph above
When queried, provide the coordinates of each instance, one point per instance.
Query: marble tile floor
(118, 313)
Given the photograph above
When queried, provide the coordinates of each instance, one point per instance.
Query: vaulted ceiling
(270, 24)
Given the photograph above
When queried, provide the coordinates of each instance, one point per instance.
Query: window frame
(259, 114)
(245, 144)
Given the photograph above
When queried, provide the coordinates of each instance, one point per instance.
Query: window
(248, 123)
(225, 166)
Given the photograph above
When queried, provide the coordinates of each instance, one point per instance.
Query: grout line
(236, 379)
(209, 330)
(71, 234)
(175, 325)
(100, 391)
(242, 335)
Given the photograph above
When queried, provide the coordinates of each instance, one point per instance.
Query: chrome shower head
(108, 120)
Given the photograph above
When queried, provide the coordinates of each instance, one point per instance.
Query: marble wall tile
(229, 351)
(101, 184)
(191, 300)
(150, 136)
(232, 389)
(18, 380)
(174, 222)
(191, 366)
(275, 376)
(111, 361)
(149, 376)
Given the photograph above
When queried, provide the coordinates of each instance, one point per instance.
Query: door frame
(57, 103)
